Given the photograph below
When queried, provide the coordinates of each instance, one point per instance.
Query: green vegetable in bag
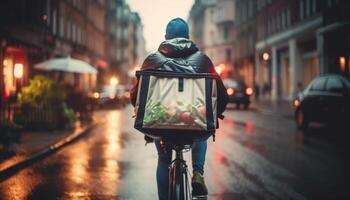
(155, 112)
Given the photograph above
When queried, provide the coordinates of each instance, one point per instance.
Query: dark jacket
(182, 55)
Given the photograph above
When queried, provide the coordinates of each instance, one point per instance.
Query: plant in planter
(42, 105)
(10, 134)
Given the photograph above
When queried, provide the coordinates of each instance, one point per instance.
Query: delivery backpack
(171, 104)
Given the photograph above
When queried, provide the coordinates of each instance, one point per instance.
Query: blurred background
(67, 65)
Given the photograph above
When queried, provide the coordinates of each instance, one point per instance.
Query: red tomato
(186, 117)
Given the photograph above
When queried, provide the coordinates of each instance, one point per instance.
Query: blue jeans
(199, 150)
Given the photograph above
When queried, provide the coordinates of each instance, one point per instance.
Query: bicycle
(179, 188)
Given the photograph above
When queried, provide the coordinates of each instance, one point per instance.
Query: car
(325, 100)
(110, 95)
(238, 92)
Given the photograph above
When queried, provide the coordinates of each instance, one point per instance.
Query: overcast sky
(155, 14)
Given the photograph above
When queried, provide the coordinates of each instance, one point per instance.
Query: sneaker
(198, 185)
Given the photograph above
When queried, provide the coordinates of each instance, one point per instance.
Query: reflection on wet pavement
(247, 161)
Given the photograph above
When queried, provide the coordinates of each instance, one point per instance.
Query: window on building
(54, 21)
(313, 3)
(284, 19)
(273, 24)
(48, 12)
(308, 8)
(68, 29)
(82, 36)
(62, 30)
(78, 35)
(289, 20)
(332, 3)
(269, 25)
(228, 55)
(250, 8)
(212, 14)
(301, 9)
(74, 32)
(250, 43)
(226, 33)
(212, 36)
(278, 22)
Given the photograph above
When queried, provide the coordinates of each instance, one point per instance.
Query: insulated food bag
(175, 103)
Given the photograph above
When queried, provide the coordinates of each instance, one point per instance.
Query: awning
(67, 65)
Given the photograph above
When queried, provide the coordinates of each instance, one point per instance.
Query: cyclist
(179, 54)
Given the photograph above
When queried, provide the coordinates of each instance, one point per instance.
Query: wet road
(255, 156)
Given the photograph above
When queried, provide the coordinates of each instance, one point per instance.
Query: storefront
(14, 70)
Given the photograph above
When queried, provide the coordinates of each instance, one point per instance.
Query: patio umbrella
(67, 64)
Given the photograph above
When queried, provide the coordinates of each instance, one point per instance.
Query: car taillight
(249, 91)
(230, 91)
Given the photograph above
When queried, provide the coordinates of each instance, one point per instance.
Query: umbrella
(67, 65)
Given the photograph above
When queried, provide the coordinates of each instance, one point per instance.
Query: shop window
(12, 57)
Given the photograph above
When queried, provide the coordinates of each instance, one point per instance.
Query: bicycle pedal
(200, 197)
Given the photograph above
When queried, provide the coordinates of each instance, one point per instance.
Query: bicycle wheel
(177, 187)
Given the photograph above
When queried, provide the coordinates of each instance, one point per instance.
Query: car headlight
(96, 95)
(296, 103)
(230, 91)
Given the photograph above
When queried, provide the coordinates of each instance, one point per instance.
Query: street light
(18, 74)
(266, 56)
(220, 68)
(113, 81)
(342, 62)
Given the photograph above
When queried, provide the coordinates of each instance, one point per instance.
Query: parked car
(238, 92)
(110, 95)
(325, 100)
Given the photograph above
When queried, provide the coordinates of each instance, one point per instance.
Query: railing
(7, 111)
(42, 118)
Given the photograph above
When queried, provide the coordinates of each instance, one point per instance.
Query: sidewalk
(36, 145)
(275, 107)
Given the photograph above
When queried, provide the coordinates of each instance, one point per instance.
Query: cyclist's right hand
(148, 139)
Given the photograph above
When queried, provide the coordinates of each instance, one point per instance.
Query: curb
(11, 170)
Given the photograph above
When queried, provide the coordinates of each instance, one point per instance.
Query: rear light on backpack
(249, 91)
(230, 91)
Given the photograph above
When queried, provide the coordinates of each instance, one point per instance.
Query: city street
(256, 155)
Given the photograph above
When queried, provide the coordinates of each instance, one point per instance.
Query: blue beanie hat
(176, 28)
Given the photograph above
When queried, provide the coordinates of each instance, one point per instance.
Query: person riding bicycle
(179, 54)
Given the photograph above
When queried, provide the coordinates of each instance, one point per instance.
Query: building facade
(224, 44)
(203, 29)
(126, 44)
(244, 40)
(212, 29)
(103, 33)
(297, 41)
